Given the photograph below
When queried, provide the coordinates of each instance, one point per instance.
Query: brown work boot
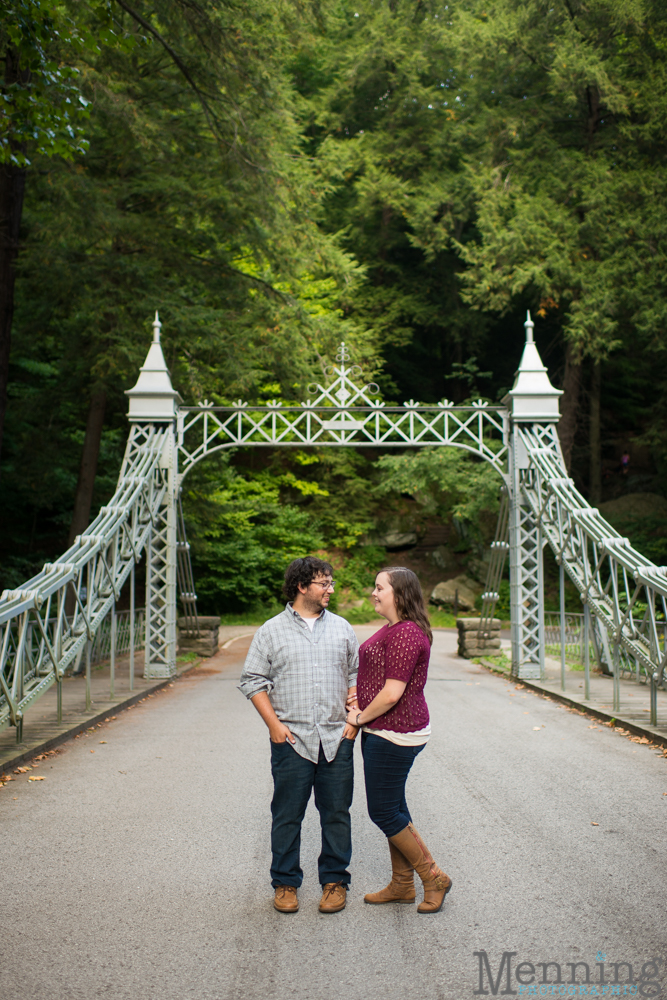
(401, 889)
(436, 883)
(285, 899)
(334, 897)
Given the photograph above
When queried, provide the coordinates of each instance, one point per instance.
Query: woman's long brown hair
(409, 598)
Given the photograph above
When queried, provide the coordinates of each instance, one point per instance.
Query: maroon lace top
(399, 652)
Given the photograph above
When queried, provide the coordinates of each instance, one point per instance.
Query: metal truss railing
(343, 414)
(46, 625)
(625, 592)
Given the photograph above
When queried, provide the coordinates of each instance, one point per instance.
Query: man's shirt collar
(297, 617)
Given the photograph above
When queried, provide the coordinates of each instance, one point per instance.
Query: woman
(392, 713)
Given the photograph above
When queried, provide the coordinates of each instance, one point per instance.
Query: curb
(595, 713)
(69, 734)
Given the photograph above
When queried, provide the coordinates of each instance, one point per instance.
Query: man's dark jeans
(294, 778)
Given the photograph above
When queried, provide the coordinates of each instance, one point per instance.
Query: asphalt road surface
(140, 870)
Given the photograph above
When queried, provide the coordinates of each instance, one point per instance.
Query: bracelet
(357, 723)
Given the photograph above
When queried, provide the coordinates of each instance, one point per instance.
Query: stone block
(472, 625)
(482, 644)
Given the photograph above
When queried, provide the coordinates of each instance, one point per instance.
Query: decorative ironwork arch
(343, 414)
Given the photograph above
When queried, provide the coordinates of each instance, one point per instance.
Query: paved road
(140, 870)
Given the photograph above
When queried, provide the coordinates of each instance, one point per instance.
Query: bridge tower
(532, 402)
(154, 402)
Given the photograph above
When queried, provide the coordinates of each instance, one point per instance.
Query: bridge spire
(532, 398)
(153, 397)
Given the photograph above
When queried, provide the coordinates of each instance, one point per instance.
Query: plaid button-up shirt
(306, 675)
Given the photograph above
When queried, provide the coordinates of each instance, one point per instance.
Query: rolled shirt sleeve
(257, 671)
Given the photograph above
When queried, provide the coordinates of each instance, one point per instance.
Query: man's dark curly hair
(303, 571)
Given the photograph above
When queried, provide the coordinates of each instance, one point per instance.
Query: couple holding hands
(315, 688)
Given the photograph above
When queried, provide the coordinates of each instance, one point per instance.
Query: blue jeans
(386, 769)
(294, 778)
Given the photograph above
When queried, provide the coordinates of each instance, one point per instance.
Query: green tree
(485, 158)
(41, 114)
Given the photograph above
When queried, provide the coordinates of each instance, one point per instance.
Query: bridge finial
(532, 398)
(153, 397)
(528, 327)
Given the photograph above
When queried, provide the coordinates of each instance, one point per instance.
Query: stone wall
(204, 644)
(470, 643)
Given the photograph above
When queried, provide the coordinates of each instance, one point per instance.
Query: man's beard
(314, 604)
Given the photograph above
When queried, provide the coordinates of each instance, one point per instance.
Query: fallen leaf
(36, 777)
(536, 729)
(92, 751)
(595, 824)
(21, 770)
(102, 741)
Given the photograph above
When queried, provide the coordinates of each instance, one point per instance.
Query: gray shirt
(306, 675)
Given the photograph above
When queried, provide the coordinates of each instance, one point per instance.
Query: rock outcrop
(461, 591)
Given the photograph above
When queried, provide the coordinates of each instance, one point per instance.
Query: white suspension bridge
(49, 624)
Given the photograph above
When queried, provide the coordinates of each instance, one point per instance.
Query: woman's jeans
(294, 778)
(386, 768)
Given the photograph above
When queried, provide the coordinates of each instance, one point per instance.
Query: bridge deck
(142, 869)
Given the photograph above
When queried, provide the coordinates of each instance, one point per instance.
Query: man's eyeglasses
(324, 584)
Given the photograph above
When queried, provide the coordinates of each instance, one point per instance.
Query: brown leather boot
(401, 889)
(436, 883)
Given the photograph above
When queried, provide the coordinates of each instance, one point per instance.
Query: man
(301, 667)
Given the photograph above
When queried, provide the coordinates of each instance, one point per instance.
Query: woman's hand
(352, 716)
(351, 702)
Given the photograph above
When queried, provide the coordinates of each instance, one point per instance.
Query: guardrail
(120, 643)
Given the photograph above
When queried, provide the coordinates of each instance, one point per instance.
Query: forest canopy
(277, 176)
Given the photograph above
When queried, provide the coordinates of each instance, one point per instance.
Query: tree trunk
(12, 189)
(595, 439)
(91, 450)
(569, 404)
